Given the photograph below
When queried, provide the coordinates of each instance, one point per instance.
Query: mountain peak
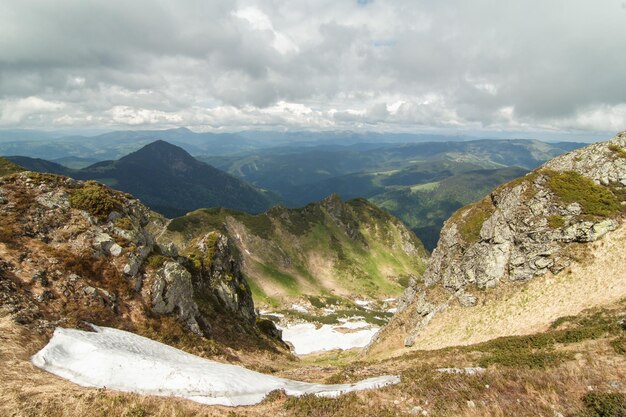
(161, 152)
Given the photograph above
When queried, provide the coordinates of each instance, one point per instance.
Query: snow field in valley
(124, 361)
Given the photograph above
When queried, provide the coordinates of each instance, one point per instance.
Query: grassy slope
(598, 279)
(291, 252)
(7, 167)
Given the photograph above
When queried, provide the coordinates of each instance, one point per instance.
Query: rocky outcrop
(74, 252)
(524, 229)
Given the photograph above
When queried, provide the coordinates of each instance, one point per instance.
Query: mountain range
(422, 183)
(166, 178)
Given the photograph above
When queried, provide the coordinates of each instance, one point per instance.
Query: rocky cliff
(74, 252)
(535, 226)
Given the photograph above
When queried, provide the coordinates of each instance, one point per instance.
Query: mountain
(544, 246)
(405, 179)
(329, 249)
(281, 171)
(76, 253)
(113, 145)
(167, 179)
(8, 167)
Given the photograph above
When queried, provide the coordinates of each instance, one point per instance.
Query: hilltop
(8, 167)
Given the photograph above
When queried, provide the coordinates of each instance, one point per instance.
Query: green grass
(619, 345)
(155, 261)
(571, 187)
(123, 223)
(604, 404)
(555, 221)
(470, 225)
(617, 150)
(95, 199)
(286, 281)
(537, 351)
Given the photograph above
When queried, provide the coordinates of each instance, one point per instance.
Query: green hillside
(328, 249)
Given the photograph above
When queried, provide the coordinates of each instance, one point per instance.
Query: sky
(370, 65)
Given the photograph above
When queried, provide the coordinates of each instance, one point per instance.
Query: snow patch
(299, 308)
(307, 338)
(127, 362)
(362, 303)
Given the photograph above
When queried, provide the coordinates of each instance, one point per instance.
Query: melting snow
(362, 303)
(124, 361)
(299, 308)
(306, 338)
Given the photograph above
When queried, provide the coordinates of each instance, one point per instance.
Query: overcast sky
(515, 65)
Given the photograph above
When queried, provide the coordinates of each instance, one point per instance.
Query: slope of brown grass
(591, 372)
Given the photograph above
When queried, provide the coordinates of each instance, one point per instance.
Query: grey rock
(466, 299)
(173, 291)
(114, 215)
(54, 199)
(168, 249)
(115, 250)
(40, 277)
(467, 371)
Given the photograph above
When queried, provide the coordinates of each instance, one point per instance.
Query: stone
(114, 215)
(467, 371)
(115, 250)
(172, 291)
(466, 299)
(40, 277)
(54, 199)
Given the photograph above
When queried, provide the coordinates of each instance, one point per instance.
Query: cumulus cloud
(401, 65)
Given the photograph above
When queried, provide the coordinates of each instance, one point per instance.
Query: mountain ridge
(531, 228)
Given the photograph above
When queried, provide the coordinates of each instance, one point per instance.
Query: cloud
(402, 65)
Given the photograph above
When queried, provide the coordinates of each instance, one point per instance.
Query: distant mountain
(75, 162)
(287, 173)
(167, 179)
(408, 179)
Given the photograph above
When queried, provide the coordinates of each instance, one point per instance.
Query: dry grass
(594, 366)
(518, 309)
